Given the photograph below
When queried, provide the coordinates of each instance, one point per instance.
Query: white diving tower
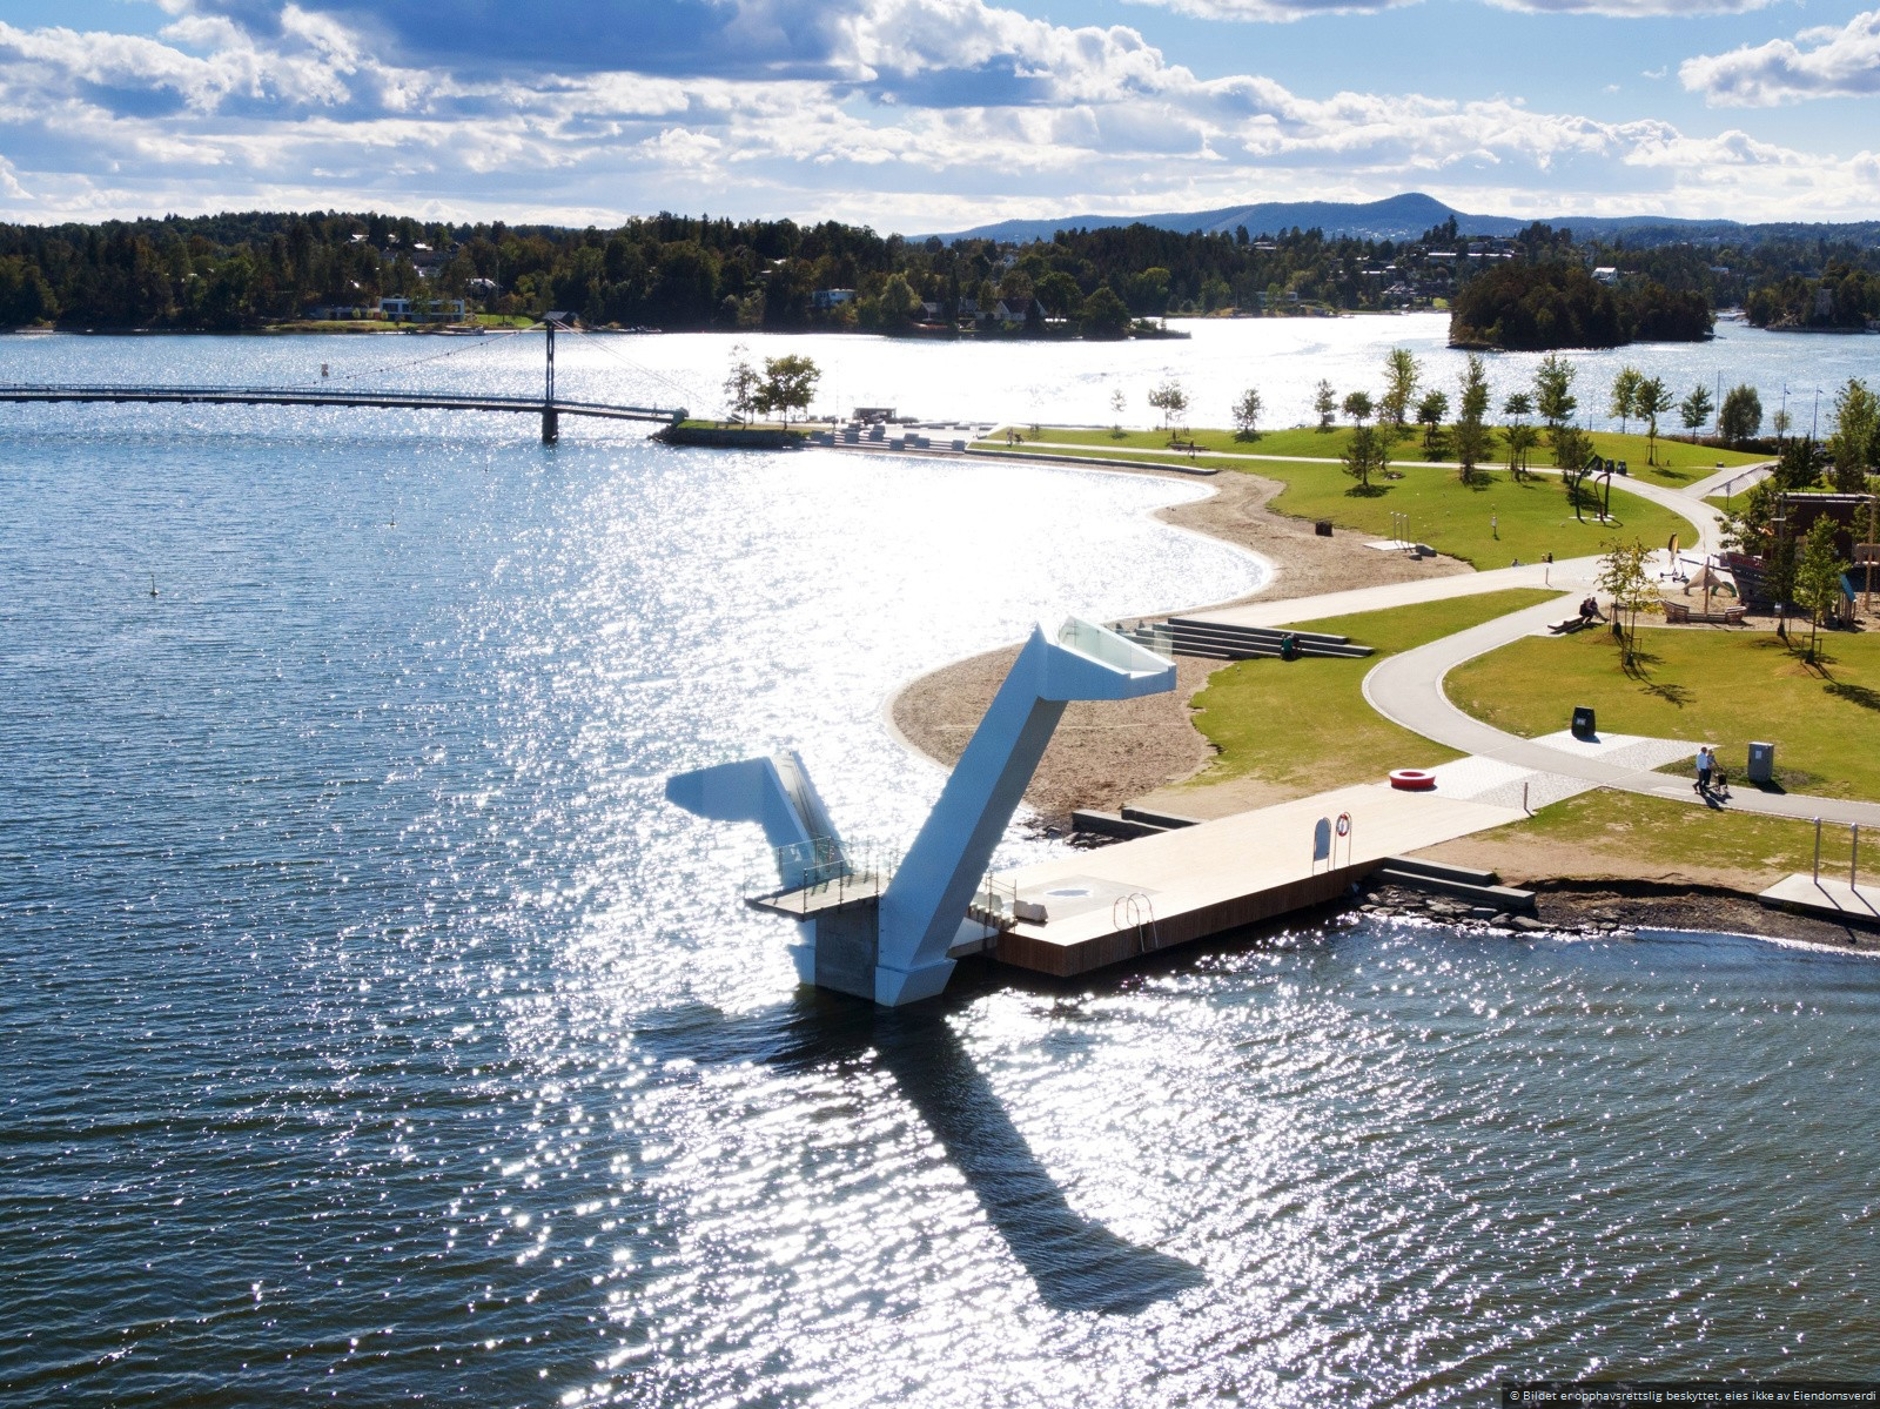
(891, 944)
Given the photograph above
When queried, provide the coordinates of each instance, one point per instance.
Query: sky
(928, 115)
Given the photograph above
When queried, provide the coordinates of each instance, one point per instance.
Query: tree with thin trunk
(1741, 415)
(1432, 411)
(1553, 390)
(1818, 578)
(1247, 415)
(1625, 395)
(1171, 401)
(741, 385)
(1856, 436)
(1325, 403)
(789, 383)
(1623, 578)
(1363, 456)
(1520, 435)
(1401, 375)
(1695, 409)
(1472, 435)
(1650, 401)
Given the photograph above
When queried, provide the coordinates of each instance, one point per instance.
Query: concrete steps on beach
(1130, 823)
(1461, 882)
(1214, 640)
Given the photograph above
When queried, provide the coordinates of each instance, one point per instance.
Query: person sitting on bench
(1589, 610)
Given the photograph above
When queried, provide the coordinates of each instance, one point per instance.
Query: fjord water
(372, 1030)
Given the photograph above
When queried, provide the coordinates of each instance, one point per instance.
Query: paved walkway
(1735, 479)
(1408, 690)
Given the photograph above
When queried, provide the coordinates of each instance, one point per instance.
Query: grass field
(1725, 688)
(1678, 463)
(1653, 831)
(1454, 518)
(1304, 724)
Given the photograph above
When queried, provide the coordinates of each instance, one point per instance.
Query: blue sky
(936, 114)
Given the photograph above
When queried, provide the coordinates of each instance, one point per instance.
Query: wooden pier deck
(1117, 903)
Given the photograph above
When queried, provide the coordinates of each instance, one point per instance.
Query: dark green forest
(250, 271)
(1558, 303)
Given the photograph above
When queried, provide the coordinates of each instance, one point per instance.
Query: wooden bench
(1680, 614)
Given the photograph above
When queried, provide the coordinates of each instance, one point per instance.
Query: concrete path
(1734, 479)
(1407, 689)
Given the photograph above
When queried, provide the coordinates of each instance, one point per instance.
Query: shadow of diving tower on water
(888, 938)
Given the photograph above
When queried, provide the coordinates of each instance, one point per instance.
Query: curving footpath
(1407, 689)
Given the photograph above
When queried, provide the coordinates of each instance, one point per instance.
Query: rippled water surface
(372, 1030)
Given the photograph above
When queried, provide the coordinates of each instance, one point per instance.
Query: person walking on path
(1706, 765)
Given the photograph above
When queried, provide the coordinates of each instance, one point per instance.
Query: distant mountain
(1406, 217)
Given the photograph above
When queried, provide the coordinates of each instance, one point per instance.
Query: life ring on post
(1412, 780)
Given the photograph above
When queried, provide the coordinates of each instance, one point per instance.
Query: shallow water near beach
(374, 1031)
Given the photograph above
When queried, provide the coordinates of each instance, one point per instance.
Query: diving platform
(1118, 903)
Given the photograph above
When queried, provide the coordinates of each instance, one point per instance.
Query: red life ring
(1412, 780)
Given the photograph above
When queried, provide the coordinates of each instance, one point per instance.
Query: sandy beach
(1103, 756)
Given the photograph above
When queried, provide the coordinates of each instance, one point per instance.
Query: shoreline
(935, 712)
(1101, 762)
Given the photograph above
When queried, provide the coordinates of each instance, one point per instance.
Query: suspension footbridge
(550, 407)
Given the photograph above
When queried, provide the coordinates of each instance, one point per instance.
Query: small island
(1545, 306)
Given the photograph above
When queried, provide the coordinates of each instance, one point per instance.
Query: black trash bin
(1585, 722)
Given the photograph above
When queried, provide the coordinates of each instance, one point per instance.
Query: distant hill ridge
(1408, 216)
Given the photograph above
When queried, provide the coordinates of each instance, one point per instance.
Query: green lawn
(1678, 463)
(1454, 518)
(1725, 688)
(1656, 831)
(1304, 724)
(1461, 520)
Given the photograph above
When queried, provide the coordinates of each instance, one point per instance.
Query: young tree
(1325, 403)
(1625, 388)
(1367, 454)
(741, 385)
(1573, 452)
(1741, 416)
(1798, 466)
(1247, 415)
(1472, 436)
(1118, 404)
(1521, 436)
(1171, 401)
(1856, 436)
(1695, 409)
(1781, 422)
(789, 383)
(1358, 407)
(1553, 390)
(1432, 411)
(1623, 578)
(1650, 400)
(1401, 375)
(1818, 577)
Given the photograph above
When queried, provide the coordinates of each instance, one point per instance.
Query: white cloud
(919, 114)
(1823, 62)
(1632, 9)
(1280, 11)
